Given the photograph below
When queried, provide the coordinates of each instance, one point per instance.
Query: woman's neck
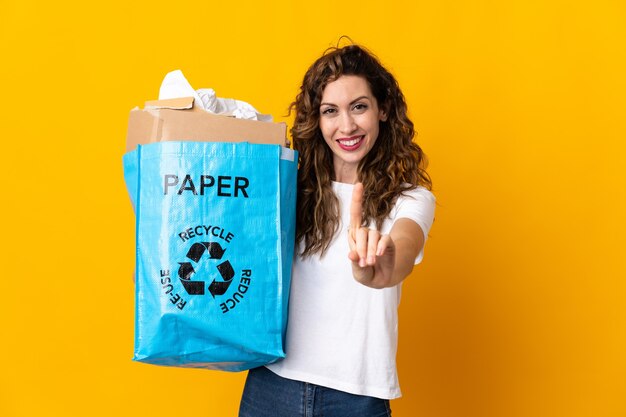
(345, 173)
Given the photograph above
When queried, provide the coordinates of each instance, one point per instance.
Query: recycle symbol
(186, 269)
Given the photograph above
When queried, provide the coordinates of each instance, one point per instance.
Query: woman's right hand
(372, 254)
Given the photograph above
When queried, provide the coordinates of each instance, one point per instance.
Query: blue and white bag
(215, 227)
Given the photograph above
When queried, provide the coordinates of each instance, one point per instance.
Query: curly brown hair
(395, 163)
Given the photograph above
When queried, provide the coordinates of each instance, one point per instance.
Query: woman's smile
(351, 143)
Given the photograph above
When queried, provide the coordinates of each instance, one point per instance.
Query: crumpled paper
(175, 85)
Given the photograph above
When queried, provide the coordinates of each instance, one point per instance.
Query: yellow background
(519, 308)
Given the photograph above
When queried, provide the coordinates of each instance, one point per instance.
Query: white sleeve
(419, 206)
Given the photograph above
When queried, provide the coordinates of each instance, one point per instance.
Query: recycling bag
(215, 227)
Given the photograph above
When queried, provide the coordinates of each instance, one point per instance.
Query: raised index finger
(356, 206)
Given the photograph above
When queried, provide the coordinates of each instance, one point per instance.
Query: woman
(364, 211)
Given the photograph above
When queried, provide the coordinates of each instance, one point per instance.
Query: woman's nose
(346, 123)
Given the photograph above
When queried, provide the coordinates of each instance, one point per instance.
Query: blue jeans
(269, 395)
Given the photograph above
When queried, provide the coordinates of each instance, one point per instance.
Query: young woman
(364, 211)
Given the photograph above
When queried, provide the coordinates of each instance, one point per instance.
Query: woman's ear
(383, 112)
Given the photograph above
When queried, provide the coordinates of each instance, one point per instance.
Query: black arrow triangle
(196, 251)
(215, 250)
(226, 270)
(218, 287)
(186, 270)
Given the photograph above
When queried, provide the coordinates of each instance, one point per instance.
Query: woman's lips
(350, 144)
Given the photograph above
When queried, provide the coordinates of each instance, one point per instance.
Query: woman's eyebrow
(352, 102)
(359, 98)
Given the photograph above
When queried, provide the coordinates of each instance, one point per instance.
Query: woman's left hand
(372, 254)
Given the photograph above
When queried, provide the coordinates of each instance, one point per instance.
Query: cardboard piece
(179, 120)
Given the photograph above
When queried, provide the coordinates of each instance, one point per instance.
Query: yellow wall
(519, 308)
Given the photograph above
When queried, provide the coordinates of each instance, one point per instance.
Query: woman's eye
(360, 106)
(328, 110)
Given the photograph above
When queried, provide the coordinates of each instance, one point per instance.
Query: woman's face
(349, 121)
